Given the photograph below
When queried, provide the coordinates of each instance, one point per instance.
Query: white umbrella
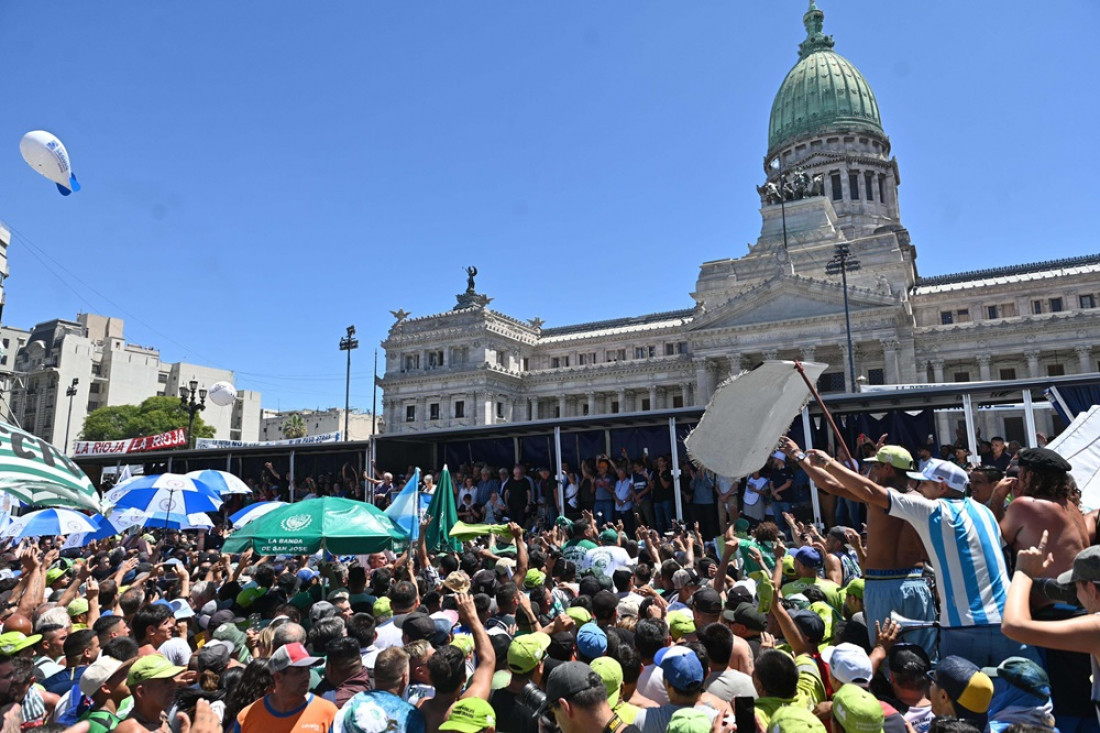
(254, 511)
(48, 522)
(221, 481)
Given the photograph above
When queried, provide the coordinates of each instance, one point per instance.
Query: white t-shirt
(755, 485)
(605, 560)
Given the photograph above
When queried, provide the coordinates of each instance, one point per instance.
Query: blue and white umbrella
(48, 522)
(198, 520)
(254, 511)
(166, 494)
(117, 523)
(222, 481)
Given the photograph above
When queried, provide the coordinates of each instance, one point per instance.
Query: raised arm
(481, 683)
(521, 550)
(731, 543)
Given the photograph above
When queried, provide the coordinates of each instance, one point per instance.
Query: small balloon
(222, 394)
(45, 154)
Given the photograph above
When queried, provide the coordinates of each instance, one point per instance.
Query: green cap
(794, 719)
(382, 608)
(689, 720)
(13, 642)
(152, 667)
(741, 525)
(895, 455)
(53, 574)
(611, 672)
(680, 623)
(609, 535)
(855, 588)
(857, 710)
(230, 633)
(525, 652)
(77, 607)
(788, 567)
(579, 614)
(470, 715)
(465, 642)
(534, 579)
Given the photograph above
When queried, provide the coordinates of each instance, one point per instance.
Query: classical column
(684, 396)
(591, 402)
(421, 418)
(702, 380)
(890, 357)
(849, 378)
(983, 367)
(561, 405)
(652, 398)
(735, 364)
(533, 407)
(808, 352)
(1032, 357)
(620, 395)
(1084, 358)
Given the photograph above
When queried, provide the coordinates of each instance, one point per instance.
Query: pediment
(789, 298)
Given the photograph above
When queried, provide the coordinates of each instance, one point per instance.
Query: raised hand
(1035, 561)
(888, 633)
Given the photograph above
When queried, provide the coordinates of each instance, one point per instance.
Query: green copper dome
(823, 91)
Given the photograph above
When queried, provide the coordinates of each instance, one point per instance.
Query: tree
(295, 427)
(154, 415)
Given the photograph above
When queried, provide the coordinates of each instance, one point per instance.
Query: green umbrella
(341, 526)
(35, 472)
(444, 516)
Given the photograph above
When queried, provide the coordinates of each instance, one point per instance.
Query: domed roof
(823, 91)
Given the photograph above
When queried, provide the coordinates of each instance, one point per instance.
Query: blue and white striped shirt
(963, 541)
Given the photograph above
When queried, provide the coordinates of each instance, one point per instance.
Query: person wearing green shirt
(782, 682)
(807, 561)
(583, 535)
(104, 681)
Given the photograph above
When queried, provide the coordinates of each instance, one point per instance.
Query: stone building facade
(829, 180)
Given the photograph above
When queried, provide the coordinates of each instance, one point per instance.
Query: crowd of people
(954, 599)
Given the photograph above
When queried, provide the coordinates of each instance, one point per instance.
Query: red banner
(171, 439)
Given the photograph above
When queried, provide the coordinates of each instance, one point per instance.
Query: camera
(533, 697)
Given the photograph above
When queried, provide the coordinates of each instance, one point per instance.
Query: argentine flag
(408, 506)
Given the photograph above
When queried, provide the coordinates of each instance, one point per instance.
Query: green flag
(463, 532)
(444, 516)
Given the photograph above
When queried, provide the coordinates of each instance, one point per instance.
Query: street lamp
(193, 407)
(347, 344)
(70, 393)
(843, 262)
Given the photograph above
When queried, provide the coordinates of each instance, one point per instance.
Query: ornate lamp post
(70, 393)
(843, 262)
(347, 344)
(193, 407)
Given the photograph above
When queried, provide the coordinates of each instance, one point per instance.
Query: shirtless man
(893, 570)
(1044, 507)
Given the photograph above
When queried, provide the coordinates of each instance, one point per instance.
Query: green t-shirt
(745, 545)
(101, 721)
(810, 692)
(833, 594)
(575, 550)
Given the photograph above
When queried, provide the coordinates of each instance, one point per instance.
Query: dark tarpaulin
(1080, 399)
(536, 450)
(908, 431)
(494, 451)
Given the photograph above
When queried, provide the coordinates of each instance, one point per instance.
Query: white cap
(942, 472)
(849, 664)
(97, 673)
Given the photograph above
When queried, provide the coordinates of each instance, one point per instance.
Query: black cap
(810, 624)
(737, 595)
(418, 626)
(750, 617)
(707, 600)
(1042, 459)
(570, 678)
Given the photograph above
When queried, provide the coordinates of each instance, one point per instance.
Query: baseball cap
(215, 655)
(680, 623)
(707, 600)
(611, 672)
(306, 575)
(969, 688)
(855, 587)
(225, 616)
(231, 634)
(579, 614)
(320, 610)
(77, 607)
(748, 616)
(895, 455)
(534, 579)
(849, 664)
(53, 574)
(591, 641)
(1042, 459)
(525, 652)
(684, 577)
(1086, 566)
(568, 679)
(683, 671)
(13, 642)
(741, 525)
(470, 715)
(810, 624)
(151, 667)
(181, 609)
(857, 710)
(808, 556)
(382, 609)
(418, 626)
(942, 472)
(97, 673)
(794, 719)
(610, 536)
(291, 655)
(1023, 674)
(689, 720)
(465, 642)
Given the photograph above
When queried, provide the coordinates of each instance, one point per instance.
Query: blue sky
(258, 176)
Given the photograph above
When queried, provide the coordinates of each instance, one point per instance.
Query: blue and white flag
(405, 508)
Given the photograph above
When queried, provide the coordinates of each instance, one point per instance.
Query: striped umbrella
(117, 523)
(48, 523)
(222, 481)
(165, 494)
(254, 511)
(35, 472)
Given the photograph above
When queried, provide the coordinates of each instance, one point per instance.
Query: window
(500, 410)
(1056, 305)
(412, 361)
(410, 413)
(501, 356)
(460, 408)
(583, 359)
(93, 388)
(433, 411)
(831, 382)
(853, 186)
(614, 407)
(1036, 307)
(962, 315)
(1084, 301)
(162, 379)
(1056, 370)
(7, 343)
(645, 352)
(962, 376)
(557, 362)
(678, 400)
(869, 181)
(881, 189)
(619, 355)
(584, 408)
(670, 349)
(876, 376)
(645, 403)
(992, 312)
(680, 347)
(834, 184)
(526, 366)
(1008, 374)
(946, 318)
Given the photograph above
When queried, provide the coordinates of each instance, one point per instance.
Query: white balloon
(222, 394)
(45, 153)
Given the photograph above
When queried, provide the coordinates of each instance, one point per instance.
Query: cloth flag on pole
(405, 508)
(444, 516)
(464, 532)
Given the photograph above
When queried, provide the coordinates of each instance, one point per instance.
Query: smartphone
(744, 713)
